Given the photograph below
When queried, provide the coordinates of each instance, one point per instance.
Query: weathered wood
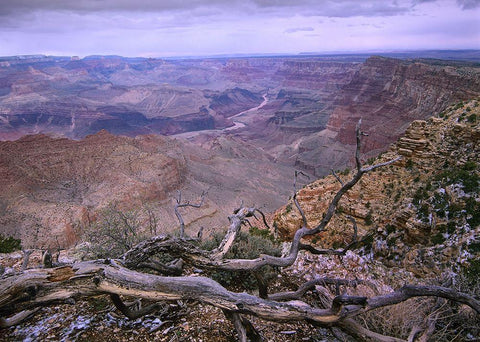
(35, 288)
(21, 294)
(132, 314)
(410, 291)
(179, 205)
(39, 287)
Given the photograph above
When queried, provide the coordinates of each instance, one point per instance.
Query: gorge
(232, 125)
(106, 141)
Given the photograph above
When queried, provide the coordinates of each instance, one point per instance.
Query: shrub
(420, 195)
(409, 164)
(465, 175)
(474, 247)
(437, 239)
(9, 244)
(288, 208)
(390, 228)
(262, 233)
(369, 219)
(114, 232)
(246, 246)
(471, 272)
(472, 208)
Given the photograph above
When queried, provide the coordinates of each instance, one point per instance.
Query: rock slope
(50, 185)
(387, 94)
(423, 212)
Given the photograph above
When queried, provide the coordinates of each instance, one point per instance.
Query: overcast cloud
(209, 27)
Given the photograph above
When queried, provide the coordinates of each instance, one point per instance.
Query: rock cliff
(53, 186)
(423, 212)
(387, 94)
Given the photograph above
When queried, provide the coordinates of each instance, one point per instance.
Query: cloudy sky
(157, 28)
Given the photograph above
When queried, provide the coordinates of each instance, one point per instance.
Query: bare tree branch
(132, 314)
(26, 291)
(410, 291)
(236, 221)
(337, 178)
(174, 268)
(179, 204)
(17, 318)
(263, 218)
(310, 285)
(299, 208)
(356, 330)
(39, 287)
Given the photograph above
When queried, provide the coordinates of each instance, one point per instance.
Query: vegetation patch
(9, 244)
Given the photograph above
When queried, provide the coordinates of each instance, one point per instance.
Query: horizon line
(257, 54)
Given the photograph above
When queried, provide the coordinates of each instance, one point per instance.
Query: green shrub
(419, 195)
(368, 242)
(437, 239)
(465, 175)
(474, 247)
(288, 208)
(246, 246)
(114, 232)
(472, 208)
(262, 233)
(369, 219)
(9, 244)
(390, 228)
(409, 164)
(472, 272)
(423, 213)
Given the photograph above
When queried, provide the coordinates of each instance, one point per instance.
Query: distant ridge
(450, 55)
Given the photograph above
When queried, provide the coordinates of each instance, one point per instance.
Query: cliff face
(52, 186)
(424, 211)
(387, 94)
(395, 92)
(47, 184)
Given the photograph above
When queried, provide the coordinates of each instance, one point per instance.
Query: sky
(161, 28)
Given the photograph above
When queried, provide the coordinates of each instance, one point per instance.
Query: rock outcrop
(423, 211)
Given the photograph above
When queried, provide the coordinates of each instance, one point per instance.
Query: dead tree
(179, 205)
(23, 293)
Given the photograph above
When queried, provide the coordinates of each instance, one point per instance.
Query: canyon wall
(53, 187)
(387, 94)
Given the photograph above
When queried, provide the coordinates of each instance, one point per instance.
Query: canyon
(81, 134)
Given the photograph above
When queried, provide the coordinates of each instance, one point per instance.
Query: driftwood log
(22, 294)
